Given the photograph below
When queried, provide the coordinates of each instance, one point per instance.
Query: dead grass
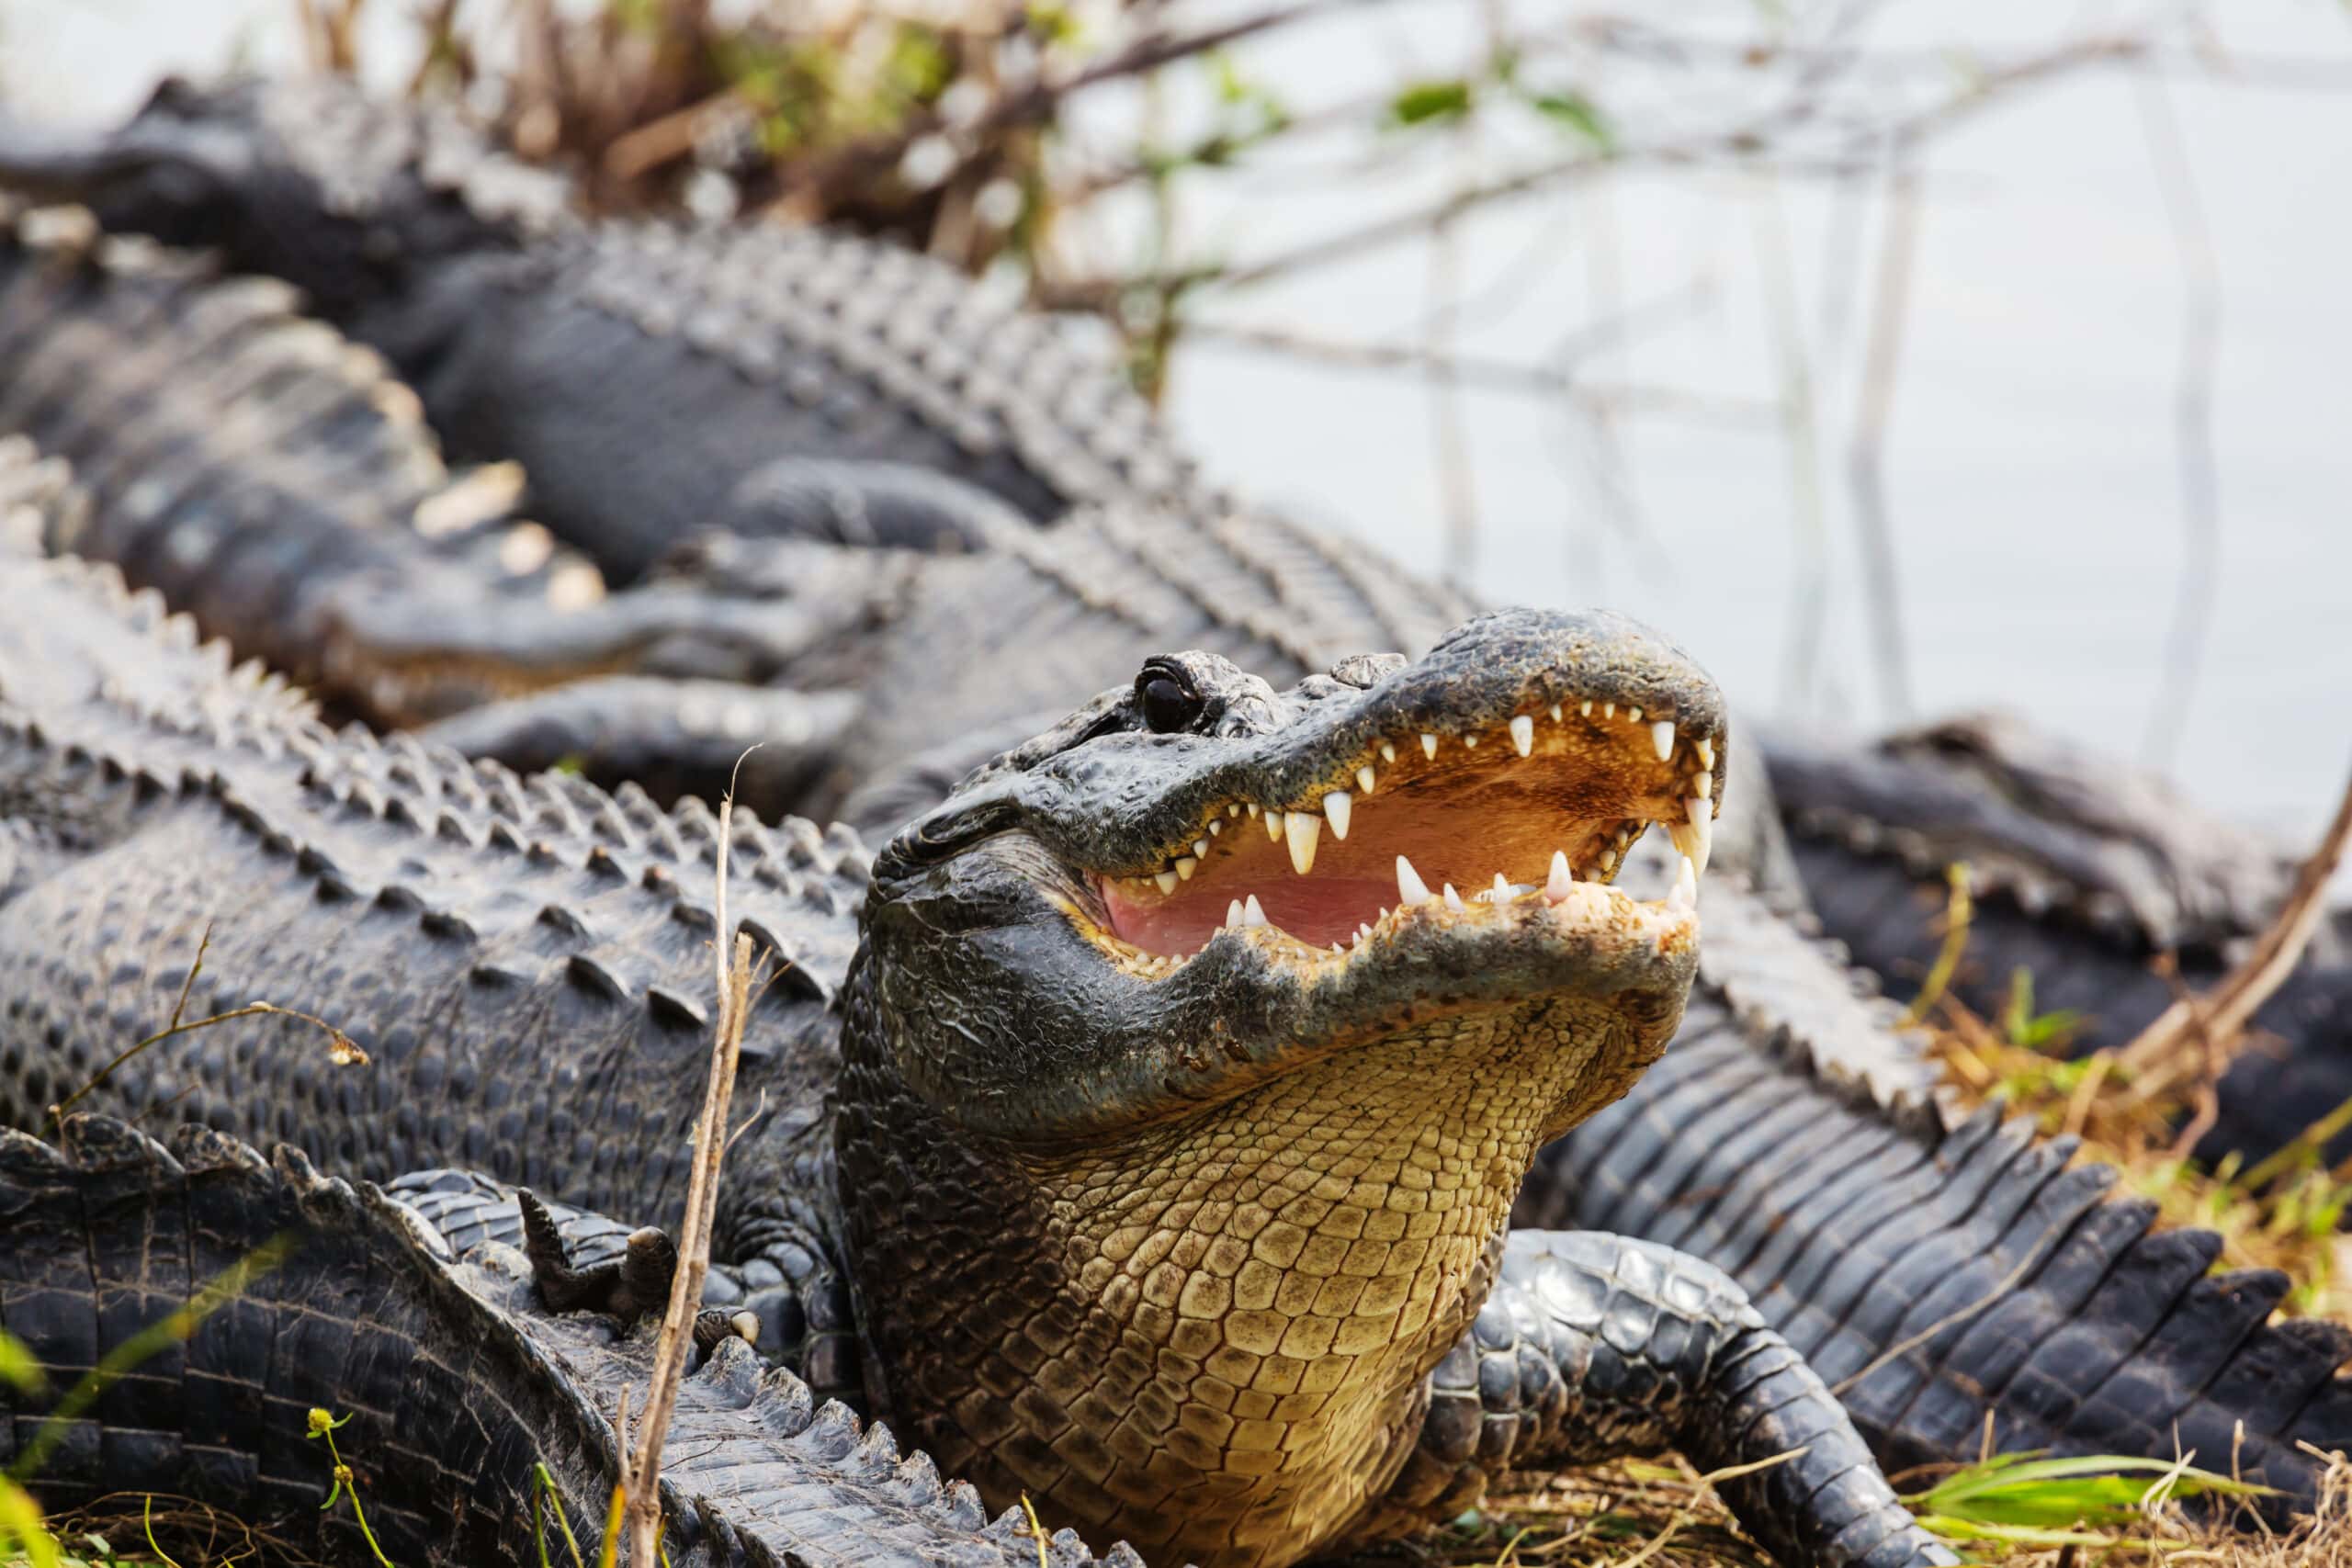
(1621, 1515)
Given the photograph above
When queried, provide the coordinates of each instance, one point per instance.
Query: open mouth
(1533, 816)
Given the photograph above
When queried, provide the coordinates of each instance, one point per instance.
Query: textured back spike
(785, 1406)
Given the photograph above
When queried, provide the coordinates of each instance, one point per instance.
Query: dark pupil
(1166, 706)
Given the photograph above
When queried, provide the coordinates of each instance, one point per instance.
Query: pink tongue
(1323, 911)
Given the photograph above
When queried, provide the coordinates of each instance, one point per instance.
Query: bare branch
(733, 963)
(2220, 1015)
(2200, 502)
(1866, 457)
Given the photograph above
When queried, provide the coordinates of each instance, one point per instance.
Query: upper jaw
(1513, 767)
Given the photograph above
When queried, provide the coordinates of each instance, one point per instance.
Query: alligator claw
(628, 1286)
(715, 1326)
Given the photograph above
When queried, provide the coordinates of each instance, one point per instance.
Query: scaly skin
(651, 379)
(2084, 872)
(1937, 1270)
(271, 480)
(1104, 590)
(453, 1381)
(513, 957)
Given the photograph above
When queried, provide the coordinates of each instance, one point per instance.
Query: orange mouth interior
(1529, 806)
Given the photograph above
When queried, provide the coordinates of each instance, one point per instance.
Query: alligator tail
(456, 1383)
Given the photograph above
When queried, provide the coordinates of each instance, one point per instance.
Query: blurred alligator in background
(273, 480)
(1212, 1256)
(650, 378)
(267, 475)
(2084, 873)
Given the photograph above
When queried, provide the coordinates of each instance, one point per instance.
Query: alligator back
(451, 1381)
(643, 373)
(2084, 875)
(1936, 1272)
(524, 963)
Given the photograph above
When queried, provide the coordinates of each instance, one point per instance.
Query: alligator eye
(1168, 705)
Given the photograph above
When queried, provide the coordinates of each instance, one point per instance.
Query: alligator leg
(626, 1287)
(1595, 1347)
(675, 736)
(783, 1292)
(870, 503)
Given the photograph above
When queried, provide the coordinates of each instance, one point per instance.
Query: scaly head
(308, 179)
(1212, 1032)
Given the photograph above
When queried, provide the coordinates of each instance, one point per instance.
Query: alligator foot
(715, 1326)
(1595, 1347)
(628, 1286)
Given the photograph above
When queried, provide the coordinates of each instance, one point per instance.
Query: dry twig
(733, 962)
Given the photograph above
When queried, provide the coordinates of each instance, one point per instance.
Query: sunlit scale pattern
(1254, 1293)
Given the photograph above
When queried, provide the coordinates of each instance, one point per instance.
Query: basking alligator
(2084, 873)
(650, 378)
(2069, 1324)
(1183, 1212)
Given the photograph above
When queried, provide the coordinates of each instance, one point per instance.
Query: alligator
(270, 476)
(650, 378)
(449, 1377)
(2084, 873)
(1199, 1254)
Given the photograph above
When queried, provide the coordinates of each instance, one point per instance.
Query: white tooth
(1500, 892)
(1201, 848)
(1410, 889)
(1585, 707)
(1232, 808)
(1608, 710)
(1556, 712)
(1185, 866)
(1662, 737)
(1706, 749)
(1387, 751)
(1253, 808)
(1233, 916)
(1557, 886)
(1523, 733)
(1337, 806)
(1429, 745)
(1452, 900)
(1366, 778)
(1167, 880)
(1363, 931)
(1471, 741)
(1702, 820)
(1251, 915)
(1634, 716)
(1303, 829)
(1216, 825)
(1273, 823)
(1685, 895)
